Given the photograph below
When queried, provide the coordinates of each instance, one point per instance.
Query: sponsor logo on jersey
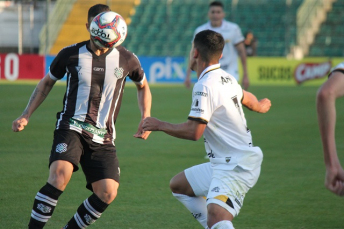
(77, 68)
(61, 148)
(201, 93)
(88, 219)
(118, 72)
(43, 208)
(216, 189)
(198, 110)
(96, 69)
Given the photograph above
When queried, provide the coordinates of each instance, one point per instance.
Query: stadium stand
(72, 30)
(167, 28)
(329, 40)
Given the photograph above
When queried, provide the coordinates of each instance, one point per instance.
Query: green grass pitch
(290, 192)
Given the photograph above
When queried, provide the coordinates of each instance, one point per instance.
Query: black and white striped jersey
(94, 88)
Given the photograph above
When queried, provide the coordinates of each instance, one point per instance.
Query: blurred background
(291, 29)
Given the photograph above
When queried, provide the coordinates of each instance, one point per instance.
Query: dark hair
(209, 44)
(95, 10)
(216, 3)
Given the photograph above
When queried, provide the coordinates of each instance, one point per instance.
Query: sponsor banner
(21, 67)
(261, 70)
(283, 71)
(164, 69)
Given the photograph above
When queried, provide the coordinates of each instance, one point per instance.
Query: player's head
(94, 11)
(207, 46)
(216, 13)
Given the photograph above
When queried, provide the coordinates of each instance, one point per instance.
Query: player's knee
(58, 180)
(180, 185)
(107, 196)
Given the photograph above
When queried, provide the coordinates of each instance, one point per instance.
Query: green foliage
(289, 193)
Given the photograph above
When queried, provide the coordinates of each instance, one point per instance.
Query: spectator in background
(234, 43)
(250, 44)
(332, 89)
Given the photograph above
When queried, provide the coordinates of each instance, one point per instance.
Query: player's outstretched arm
(190, 130)
(251, 102)
(144, 98)
(326, 110)
(38, 96)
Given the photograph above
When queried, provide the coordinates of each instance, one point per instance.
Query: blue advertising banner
(157, 69)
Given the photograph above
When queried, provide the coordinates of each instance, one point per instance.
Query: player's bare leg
(105, 191)
(183, 192)
(218, 217)
(46, 199)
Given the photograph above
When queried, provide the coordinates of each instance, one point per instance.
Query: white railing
(310, 15)
(52, 27)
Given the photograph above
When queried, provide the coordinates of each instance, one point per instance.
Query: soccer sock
(224, 224)
(196, 205)
(43, 206)
(88, 212)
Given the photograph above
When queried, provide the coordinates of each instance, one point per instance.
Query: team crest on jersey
(119, 72)
(228, 159)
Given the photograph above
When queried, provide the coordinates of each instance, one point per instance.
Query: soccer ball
(108, 29)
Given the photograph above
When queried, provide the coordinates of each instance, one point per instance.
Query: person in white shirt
(216, 112)
(331, 90)
(234, 43)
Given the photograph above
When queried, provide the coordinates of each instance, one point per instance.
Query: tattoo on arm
(32, 98)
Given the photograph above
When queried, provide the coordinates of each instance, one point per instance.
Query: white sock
(224, 224)
(196, 205)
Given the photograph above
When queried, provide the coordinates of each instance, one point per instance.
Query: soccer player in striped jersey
(85, 128)
(217, 114)
(331, 90)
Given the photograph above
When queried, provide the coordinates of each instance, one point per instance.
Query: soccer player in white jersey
(234, 43)
(217, 114)
(331, 90)
(85, 128)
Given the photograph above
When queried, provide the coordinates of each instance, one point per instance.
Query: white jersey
(338, 67)
(216, 100)
(232, 35)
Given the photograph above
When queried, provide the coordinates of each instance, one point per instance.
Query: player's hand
(141, 133)
(151, 124)
(334, 180)
(265, 105)
(245, 82)
(19, 124)
(187, 82)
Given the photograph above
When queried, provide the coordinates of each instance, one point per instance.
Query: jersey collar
(209, 69)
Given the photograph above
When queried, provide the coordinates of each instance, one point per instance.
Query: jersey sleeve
(238, 36)
(338, 68)
(136, 73)
(201, 108)
(58, 67)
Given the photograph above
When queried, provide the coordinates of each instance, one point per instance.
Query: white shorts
(226, 188)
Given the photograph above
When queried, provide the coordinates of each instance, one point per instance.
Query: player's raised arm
(251, 102)
(38, 96)
(144, 98)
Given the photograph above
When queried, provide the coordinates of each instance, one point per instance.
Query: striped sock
(43, 206)
(88, 212)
